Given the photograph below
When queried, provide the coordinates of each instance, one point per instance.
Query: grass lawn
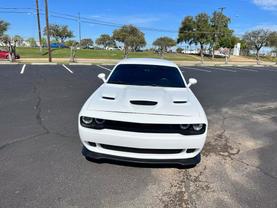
(264, 58)
(99, 54)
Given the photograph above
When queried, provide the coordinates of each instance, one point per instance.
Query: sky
(161, 14)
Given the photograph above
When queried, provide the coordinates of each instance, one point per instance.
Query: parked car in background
(88, 47)
(196, 51)
(58, 45)
(114, 48)
(5, 55)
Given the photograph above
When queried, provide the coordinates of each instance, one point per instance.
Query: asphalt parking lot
(40, 152)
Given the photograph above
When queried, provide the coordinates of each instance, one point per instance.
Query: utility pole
(79, 22)
(39, 30)
(47, 31)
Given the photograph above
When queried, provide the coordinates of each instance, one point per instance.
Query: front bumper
(122, 140)
(98, 156)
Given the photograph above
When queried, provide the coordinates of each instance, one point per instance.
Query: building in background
(236, 51)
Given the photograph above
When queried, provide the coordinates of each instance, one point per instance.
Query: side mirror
(102, 76)
(192, 81)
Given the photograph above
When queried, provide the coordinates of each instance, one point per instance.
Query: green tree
(219, 27)
(179, 50)
(3, 27)
(106, 41)
(227, 41)
(59, 32)
(32, 42)
(5, 39)
(137, 42)
(257, 39)
(70, 43)
(273, 42)
(18, 39)
(86, 43)
(131, 37)
(163, 43)
(196, 30)
(43, 42)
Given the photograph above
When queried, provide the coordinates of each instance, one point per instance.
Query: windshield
(146, 75)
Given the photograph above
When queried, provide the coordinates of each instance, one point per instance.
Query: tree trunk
(11, 53)
(125, 51)
(161, 53)
(227, 56)
(201, 53)
(72, 53)
(258, 56)
(213, 53)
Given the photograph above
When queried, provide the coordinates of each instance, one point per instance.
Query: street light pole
(39, 30)
(47, 31)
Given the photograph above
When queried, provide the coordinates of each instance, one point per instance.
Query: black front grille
(138, 127)
(150, 128)
(142, 151)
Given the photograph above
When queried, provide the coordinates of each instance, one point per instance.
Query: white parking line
(68, 69)
(197, 69)
(23, 69)
(104, 67)
(246, 69)
(222, 69)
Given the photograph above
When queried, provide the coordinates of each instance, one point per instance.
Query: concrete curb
(45, 64)
(9, 63)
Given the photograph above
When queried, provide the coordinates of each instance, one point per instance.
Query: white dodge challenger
(144, 112)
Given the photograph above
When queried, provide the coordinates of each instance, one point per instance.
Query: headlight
(93, 123)
(197, 127)
(192, 129)
(87, 120)
(99, 121)
(184, 126)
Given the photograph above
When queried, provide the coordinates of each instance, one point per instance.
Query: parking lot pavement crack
(38, 108)
(190, 187)
(21, 139)
(221, 144)
(63, 135)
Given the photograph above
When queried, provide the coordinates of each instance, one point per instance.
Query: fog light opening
(191, 150)
(92, 144)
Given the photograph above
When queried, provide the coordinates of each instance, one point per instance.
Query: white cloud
(266, 4)
(266, 26)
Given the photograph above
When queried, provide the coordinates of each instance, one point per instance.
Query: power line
(88, 20)
(105, 23)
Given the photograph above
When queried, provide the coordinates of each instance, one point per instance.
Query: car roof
(148, 61)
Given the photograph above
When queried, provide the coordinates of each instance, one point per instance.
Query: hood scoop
(180, 101)
(143, 102)
(107, 98)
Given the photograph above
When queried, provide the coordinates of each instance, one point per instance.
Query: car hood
(143, 100)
